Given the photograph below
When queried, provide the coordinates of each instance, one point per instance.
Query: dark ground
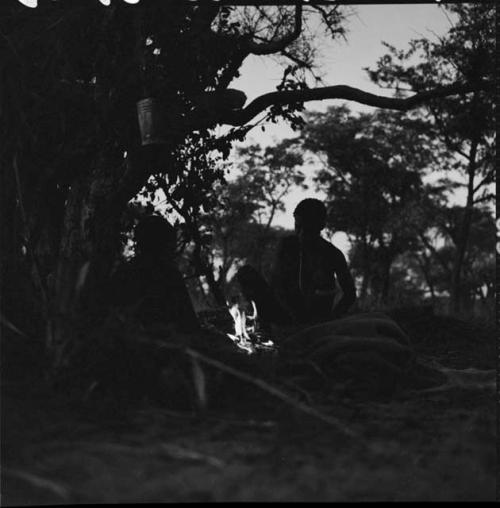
(438, 446)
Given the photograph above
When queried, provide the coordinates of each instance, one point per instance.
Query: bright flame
(242, 329)
(240, 337)
(29, 3)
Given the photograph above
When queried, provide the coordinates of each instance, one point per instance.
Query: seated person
(255, 287)
(150, 284)
(305, 270)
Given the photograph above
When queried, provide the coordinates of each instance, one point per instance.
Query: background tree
(271, 173)
(372, 176)
(477, 277)
(465, 124)
(239, 224)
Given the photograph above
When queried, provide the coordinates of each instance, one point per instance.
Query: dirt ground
(415, 446)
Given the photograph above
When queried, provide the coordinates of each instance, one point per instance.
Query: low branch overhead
(349, 93)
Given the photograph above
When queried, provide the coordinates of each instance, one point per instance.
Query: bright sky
(342, 62)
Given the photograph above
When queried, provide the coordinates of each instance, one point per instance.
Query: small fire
(246, 329)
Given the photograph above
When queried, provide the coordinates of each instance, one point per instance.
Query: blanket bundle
(369, 346)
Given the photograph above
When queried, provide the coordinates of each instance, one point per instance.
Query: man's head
(155, 235)
(310, 217)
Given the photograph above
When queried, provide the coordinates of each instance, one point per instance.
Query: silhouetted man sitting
(307, 266)
(305, 270)
(150, 285)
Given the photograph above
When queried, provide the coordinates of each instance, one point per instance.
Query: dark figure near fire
(305, 270)
(150, 284)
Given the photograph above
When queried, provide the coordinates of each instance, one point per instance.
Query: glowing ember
(246, 334)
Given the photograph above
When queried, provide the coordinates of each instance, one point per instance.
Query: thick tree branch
(267, 48)
(345, 92)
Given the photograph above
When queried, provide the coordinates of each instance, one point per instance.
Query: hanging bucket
(149, 115)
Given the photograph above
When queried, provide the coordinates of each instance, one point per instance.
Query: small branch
(490, 176)
(297, 60)
(486, 197)
(5, 322)
(444, 133)
(267, 48)
(39, 482)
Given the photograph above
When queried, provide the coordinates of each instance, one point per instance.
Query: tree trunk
(463, 237)
(366, 272)
(89, 245)
(424, 266)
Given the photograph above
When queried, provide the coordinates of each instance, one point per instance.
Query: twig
(263, 385)
(167, 412)
(40, 482)
(28, 234)
(264, 424)
(167, 450)
(178, 452)
(4, 321)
